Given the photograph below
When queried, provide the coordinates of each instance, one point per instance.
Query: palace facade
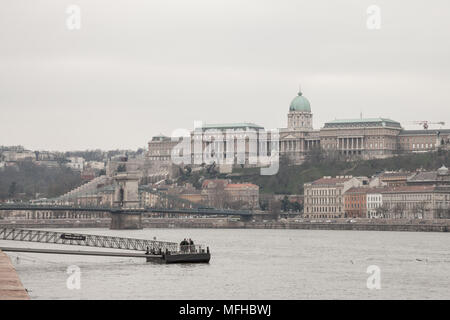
(365, 138)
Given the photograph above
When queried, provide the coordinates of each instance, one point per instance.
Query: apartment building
(324, 198)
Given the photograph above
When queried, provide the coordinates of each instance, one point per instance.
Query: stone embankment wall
(11, 287)
(423, 226)
(439, 225)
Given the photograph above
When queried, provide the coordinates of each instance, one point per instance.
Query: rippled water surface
(253, 264)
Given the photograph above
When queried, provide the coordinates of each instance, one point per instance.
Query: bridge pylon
(126, 200)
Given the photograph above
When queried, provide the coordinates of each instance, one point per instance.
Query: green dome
(300, 103)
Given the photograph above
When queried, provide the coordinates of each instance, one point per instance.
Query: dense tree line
(28, 180)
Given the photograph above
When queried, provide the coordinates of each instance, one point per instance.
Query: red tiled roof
(216, 181)
(409, 189)
(395, 174)
(358, 190)
(328, 181)
(241, 185)
(365, 190)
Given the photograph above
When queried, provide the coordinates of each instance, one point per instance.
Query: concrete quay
(340, 224)
(438, 225)
(11, 287)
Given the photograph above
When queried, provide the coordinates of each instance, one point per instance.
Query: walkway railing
(86, 240)
(193, 248)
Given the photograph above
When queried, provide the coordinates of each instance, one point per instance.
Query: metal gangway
(88, 240)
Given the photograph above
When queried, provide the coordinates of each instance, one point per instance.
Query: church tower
(300, 116)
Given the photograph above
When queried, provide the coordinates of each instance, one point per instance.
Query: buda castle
(364, 138)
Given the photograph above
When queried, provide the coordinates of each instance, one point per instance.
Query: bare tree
(442, 212)
(399, 210)
(382, 211)
(237, 205)
(275, 208)
(216, 195)
(419, 210)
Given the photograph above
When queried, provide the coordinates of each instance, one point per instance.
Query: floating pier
(151, 250)
(160, 258)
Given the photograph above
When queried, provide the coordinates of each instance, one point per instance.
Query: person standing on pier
(183, 245)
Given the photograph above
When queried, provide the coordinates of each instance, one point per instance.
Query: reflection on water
(253, 264)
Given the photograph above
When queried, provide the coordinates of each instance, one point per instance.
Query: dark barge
(180, 258)
(186, 254)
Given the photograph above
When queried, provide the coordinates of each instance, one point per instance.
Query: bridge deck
(196, 211)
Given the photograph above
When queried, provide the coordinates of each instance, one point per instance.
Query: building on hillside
(417, 202)
(45, 156)
(107, 196)
(213, 192)
(125, 163)
(75, 163)
(324, 198)
(364, 202)
(374, 203)
(149, 199)
(299, 137)
(96, 165)
(160, 148)
(221, 193)
(87, 174)
(418, 141)
(47, 163)
(88, 200)
(364, 138)
(242, 195)
(192, 196)
(46, 159)
(102, 197)
(213, 139)
(394, 179)
(19, 155)
(355, 202)
(439, 177)
(159, 156)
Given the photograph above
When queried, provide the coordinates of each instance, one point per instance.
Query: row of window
(323, 192)
(323, 200)
(423, 146)
(322, 209)
(411, 197)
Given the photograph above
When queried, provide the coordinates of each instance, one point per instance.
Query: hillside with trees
(290, 178)
(28, 181)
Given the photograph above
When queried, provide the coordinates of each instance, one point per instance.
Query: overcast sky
(139, 68)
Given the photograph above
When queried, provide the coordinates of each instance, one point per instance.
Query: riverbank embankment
(11, 287)
(411, 225)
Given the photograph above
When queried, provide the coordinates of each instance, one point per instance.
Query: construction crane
(425, 123)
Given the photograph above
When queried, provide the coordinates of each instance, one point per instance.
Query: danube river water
(253, 264)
